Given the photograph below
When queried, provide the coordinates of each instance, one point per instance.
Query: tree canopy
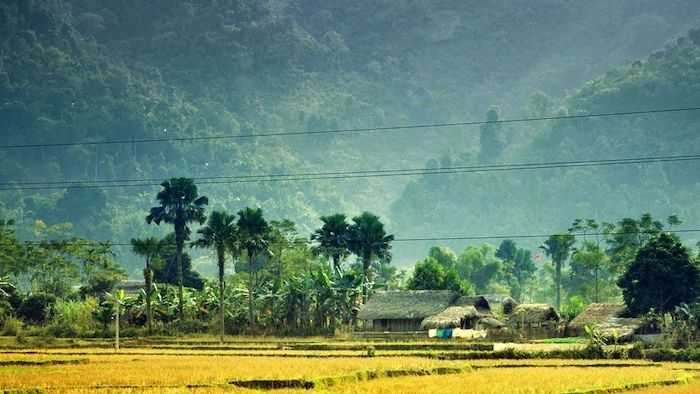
(662, 275)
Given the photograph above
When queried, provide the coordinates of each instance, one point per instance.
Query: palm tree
(218, 234)
(333, 239)
(150, 248)
(179, 205)
(253, 237)
(557, 247)
(368, 240)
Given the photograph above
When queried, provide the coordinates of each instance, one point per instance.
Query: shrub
(6, 309)
(36, 308)
(186, 327)
(371, 351)
(572, 308)
(11, 327)
(636, 351)
(74, 318)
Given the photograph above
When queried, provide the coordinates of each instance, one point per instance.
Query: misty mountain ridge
(93, 71)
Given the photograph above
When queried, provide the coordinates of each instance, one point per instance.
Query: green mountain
(546, 201)
(92, 71)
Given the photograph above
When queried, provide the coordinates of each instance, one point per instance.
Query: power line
(432, 239)
(352, 130)
(312, 176)
(543, 235)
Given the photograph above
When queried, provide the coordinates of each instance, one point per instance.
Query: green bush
(371, 351)
(637, 351)
(572, 308)
(6, 309)
(74, 318)
(36, 308)
(179, 327)
(11, 327)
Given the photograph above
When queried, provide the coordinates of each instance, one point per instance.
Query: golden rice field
(148, 370)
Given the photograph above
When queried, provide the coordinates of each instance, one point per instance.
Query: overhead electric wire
(351, 130)
(456, 238)
(310, 176)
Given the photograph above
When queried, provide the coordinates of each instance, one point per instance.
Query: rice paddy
(247, 365)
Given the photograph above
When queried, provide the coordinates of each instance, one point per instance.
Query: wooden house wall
(396, 325)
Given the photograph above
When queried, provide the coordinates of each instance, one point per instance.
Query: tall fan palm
(333, 239)
(558, 247)
(150, 248)
(368, 240)
(218, 234)
(253, 237)
(179, 205)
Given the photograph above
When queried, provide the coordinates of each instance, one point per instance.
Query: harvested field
(532, 380)
(276, 366)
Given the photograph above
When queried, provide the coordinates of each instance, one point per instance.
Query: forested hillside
(88, 71)
(543, 201)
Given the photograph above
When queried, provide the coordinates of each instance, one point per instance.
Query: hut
(466, 313)
(606, 318)
(404, 310)
(533, 315)
(452, 317)
(131, 287)
(504, 302)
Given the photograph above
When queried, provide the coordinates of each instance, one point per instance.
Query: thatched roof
(478, 301)
(413, 304)
(491, 322)
(449, 318)
(606, 318)
(534, 314)
(464, 307)
(506, 302)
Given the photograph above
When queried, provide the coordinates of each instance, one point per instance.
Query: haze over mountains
(92, 71)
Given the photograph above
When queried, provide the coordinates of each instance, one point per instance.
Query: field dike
(474, 346)
(355, 377)
(684, 379)
(29, 390)
(39, 363)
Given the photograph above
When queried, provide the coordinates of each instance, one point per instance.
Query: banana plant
(117, 299)
(325, 297)
(139, 309)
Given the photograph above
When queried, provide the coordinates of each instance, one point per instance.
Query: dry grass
(155, 390)
(560, 363)
(159, 371)
(145, 370)
(510, 380)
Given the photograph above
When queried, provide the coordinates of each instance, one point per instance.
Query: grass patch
(356, 377)
(580, 340)
(633, 386)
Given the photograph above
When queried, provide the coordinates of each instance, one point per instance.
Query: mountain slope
(97, 71)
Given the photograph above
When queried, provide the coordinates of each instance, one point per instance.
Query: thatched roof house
(404, 310)
(425, 309)
(451, 317)
(505, 302)
(606, 318)
(529, 315)
(478, 301)
(466, 312)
